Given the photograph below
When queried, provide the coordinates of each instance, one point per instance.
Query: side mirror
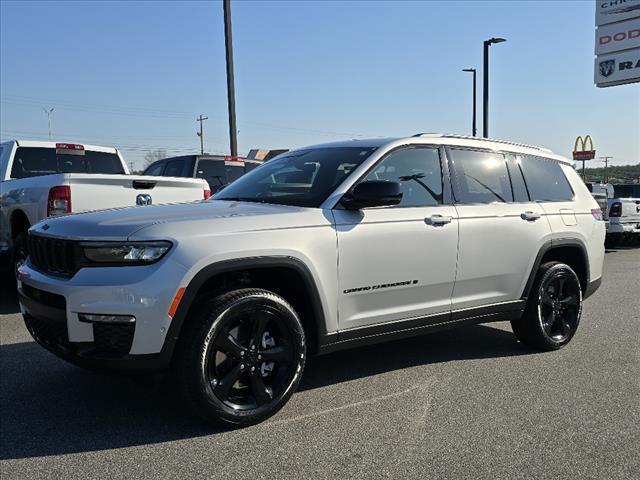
(374, 193)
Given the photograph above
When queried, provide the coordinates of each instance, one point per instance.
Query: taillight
(59, 202)
(615, 210)
(207, 194)
(597, 213)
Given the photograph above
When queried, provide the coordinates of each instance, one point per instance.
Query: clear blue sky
(136, 74)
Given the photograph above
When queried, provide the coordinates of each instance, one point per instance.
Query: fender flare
(550, 245)
(226, 266)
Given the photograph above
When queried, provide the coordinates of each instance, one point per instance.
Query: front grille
(49, 332)
(113, 338)
(53, 255)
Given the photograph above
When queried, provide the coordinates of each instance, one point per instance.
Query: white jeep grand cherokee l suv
(322, 248)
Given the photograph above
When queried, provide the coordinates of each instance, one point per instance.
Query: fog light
(95, 318)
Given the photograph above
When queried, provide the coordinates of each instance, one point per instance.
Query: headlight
(134, 253)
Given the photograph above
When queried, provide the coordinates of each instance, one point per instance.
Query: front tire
(20, 253)
(553, 309)
(240, 357)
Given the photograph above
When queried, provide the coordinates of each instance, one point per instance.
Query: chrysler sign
(617, 42)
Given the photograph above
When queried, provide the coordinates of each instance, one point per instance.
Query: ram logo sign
(144, 199)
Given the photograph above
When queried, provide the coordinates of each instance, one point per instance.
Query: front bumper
(51, 305)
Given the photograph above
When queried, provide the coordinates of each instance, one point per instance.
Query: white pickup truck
(45, 179)
(620, 206)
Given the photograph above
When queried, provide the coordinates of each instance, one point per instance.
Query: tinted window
(627, 191)
(419, 173)
(34, 162)
(174, 168)
(154, 169)
(303, 178)
(480, 177)
(545, 179)
(213, 171)
(518, 186)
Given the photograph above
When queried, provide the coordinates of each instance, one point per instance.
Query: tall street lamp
(231, 95)
(474, 130)
(485, 92)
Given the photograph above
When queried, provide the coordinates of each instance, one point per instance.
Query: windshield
(38, 161)
(302, 178)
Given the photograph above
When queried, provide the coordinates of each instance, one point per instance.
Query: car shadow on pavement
(8, 296)
(48, 407)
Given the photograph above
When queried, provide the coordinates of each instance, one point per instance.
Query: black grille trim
(54, 256)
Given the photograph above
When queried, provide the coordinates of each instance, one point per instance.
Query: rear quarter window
(545, 179)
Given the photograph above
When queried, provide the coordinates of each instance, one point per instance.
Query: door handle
(530, 216)
(438, 220)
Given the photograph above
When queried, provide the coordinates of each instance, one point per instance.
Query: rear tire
(553, 309)
(240, 357)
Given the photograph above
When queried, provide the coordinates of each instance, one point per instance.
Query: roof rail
(481, 139)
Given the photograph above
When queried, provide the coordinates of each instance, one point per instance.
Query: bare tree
(153, 155)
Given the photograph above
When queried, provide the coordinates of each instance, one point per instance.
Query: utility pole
(201, 132)
(474, 130)
(606, 159)
(131, 165)
(48, 112)
(231, 94)
(485, 89)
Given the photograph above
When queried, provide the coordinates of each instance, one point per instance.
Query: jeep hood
(122, 223)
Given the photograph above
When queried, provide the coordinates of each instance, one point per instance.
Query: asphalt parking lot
(468, 403)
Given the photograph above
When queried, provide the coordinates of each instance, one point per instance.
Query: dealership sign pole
(617, 42)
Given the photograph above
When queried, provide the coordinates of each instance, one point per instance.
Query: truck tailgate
(630, 210)
(98, 192)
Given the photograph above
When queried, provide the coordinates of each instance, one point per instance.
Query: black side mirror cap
(373, 193)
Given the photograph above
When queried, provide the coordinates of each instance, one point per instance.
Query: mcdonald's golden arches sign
(583, 148)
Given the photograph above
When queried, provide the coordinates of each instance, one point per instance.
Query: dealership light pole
(485, 86)
(231, 95)
(474, 130)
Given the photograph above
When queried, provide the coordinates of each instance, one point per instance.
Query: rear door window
(174, 168)
(480, 177)
(545, 179)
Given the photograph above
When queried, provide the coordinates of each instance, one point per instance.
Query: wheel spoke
(560, 292)
(224, 385)
(548, 322)
(229, 345)
(278, 354)
(260, 323)
(569, 300)
(259, 389)
(565, 329)
(546, 298)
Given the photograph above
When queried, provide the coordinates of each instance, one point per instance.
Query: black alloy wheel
(552, 313)
(241, 356)
(250, 360)
(559, 306)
